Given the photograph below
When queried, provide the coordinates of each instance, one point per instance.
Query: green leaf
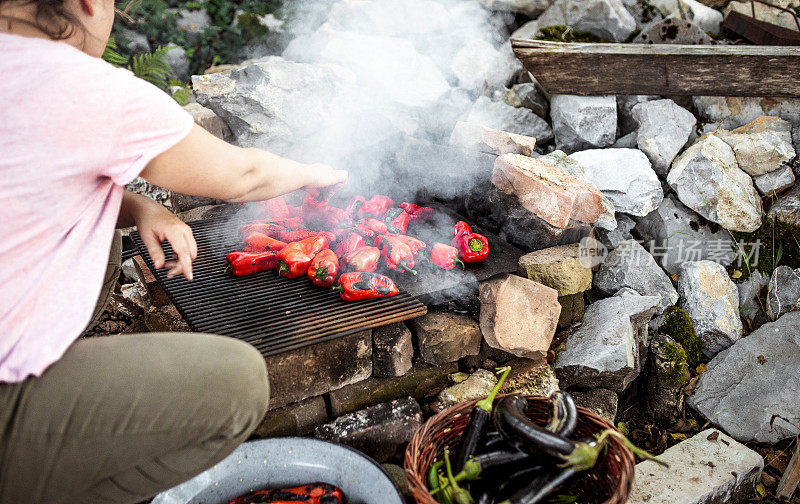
(111, 54)
(152, 67)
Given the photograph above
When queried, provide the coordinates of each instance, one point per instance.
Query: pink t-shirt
(73, 131)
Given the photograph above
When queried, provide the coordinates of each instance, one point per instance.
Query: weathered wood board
(662, 69)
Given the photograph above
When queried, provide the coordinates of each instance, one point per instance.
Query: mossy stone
(678, 326)
(676, 374)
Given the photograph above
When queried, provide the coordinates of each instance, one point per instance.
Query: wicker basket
(608, 483)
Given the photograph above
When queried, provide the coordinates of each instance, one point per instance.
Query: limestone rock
(531, 8)
(612, 239)
(750, 390)
(518, 315)
(712, 301)
(605, 350)
(192, 22)
(583, 122)
(530, 377)
(783, 295)
(478, 385)
(178, 61)
(478, 66)
(767, 13)
(726, 196)
(680, 235)
(547, 192)
(608, 19)
(133, 41)
(666, 378)
(443, 336)
(625, 103)
(732, 112)
(208, 120)
(706, 18)
(392, 350)
(786, 210)
(708, 468)
(558, 268)
(602, 401)
(630, 265)
(477, 137)
(643, 12)
(531, 98)
(664, 128)
(498, 115)
(749, 306)
(673, 31)
(774, 182)
(625, 176)
(761, 146)
(629, 141)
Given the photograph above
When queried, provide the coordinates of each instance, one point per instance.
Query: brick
(316, 369)
(392, 350)
(519, 315)
(422, 381)
(378, 430)
(558, 268)
(296, 419)
(443, 336)
(708, 468)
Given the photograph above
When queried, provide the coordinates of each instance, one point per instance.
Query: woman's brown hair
(51, 16)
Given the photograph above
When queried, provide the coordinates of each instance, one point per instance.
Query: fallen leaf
(761, 359)
(736, 274)
(761, 489)
(713, 436)
(674, 277)
(679, 436)
(701, 368)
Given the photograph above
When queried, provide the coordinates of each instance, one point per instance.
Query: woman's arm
(203, 165)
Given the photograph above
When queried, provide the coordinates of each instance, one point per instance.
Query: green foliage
(676, 355)
(180, 92)
(152, 67)
(562, 33)
(111, 54)
(779, 245)
(678, 326)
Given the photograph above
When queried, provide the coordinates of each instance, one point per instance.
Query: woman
(107, 419)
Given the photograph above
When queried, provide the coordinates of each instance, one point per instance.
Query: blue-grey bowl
(287, 462)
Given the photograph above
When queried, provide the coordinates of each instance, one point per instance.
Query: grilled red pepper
(461, 228)
(363, 259)
(247, 263)
(315, 493)
(313, 210)
(414, 244)
(397, 254)
(370, 228)
(276, 208)
(296, 257)
(361, 285)
(324, 268)
(259, 242)
(271, 226)
(353, 241)
(302, 234)
(472, 247)
(417, 213)
(335, 218)
(376, 207)
(445, 256)
(354, 205)
(396, 220)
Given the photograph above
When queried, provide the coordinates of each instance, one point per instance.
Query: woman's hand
(156, 224)
(320, 175)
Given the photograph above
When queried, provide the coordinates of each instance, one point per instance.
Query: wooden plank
(662, 69)
(791, 477)
(158, 297)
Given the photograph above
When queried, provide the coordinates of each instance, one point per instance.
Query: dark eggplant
(512, 422)
(540, 488)
(477, 465)
(478, 419)
(563, 414)
(519, 479)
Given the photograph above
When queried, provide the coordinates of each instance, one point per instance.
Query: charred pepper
(302, 234)
(351, 242)
(315, 493)
(445, 256)
(414, 244)
(363, 259)
(247, 263)
(472, 247)
(335, 218)
(376, 207)
(417, 213)
(370, 228)
(271, 226)
(397, 254)
(461, 228)
(324, 268)
(396, 220)
(296, 257)
(259, 242)
(354, 205)
(361, 285)
(276, 208)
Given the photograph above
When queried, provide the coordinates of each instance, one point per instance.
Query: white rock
(625, 104)
(625, 176)
(708, 468)
(761, 146)
(480, 66)
(664, 128)
(500, 116)
(703, 16)
(712, 301)
(629, 141)
(783, 295)
(531, 8)
(178, 62)
(732, 112)
(583, 122)
(608, 19)
(749, 305)
(673, 31)
(529, 30)
(708, 180)
(774, 182)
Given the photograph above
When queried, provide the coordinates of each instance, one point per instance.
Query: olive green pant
(118, 419)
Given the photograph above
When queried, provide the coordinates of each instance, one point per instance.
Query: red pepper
(416, 212)
(472, 247)
(370, 228)
(335, 218)
(259, 242)
(376, 207)
(414, 244)
(275, 208)
(313, 210)
(461, 228)
(247, 263)
(302, 234)
(296, 257)
(445, 256)
(354, 205)
(271, 226)
(397, 254)
(361, 285)
(295, 211)
(352, 242)
(363, 259)
(396, 220)
(324, 268)
(315, 493)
